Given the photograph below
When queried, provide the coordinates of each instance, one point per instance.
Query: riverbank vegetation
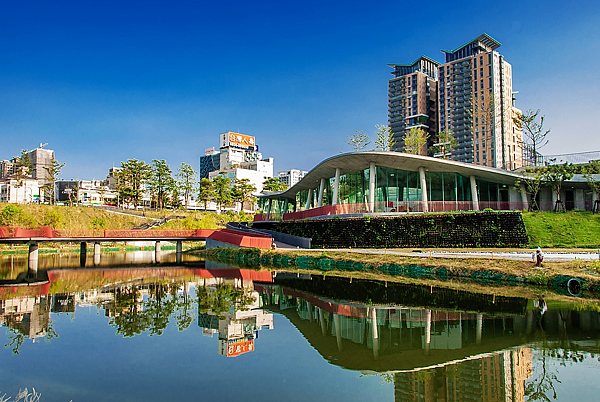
(482, 271)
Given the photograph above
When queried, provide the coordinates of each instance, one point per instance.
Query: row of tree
(165, 188)
(554, 176)
(415, 140)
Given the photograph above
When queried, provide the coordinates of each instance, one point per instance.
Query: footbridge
(213, 238)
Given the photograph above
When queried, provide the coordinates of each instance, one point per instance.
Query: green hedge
(472, 229)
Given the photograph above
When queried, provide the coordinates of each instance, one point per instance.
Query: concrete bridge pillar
(33, 257)
(96, 254)
(178, 252)
(82, 254)
(157, 252)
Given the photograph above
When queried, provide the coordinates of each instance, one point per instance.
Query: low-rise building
(20, 191)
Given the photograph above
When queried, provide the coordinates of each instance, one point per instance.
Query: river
(130, 329)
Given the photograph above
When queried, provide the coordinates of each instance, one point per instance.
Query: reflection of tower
(495, 377)
(238, 327)
(30, 316)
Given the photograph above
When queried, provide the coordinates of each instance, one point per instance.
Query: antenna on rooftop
(43, 145)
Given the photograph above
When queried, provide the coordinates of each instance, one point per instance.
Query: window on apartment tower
(475, 74)
(477, 155)
(483, 155)
(481, 72)
(475, 86)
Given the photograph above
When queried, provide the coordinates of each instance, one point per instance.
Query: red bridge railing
(238, 238)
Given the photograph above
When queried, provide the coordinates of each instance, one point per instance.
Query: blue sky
(105, 81)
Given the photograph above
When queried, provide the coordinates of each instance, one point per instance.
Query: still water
(199, 330)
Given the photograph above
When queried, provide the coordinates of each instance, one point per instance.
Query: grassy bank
(563, 229)
(63, 217)
(479, 271)
(85, 218)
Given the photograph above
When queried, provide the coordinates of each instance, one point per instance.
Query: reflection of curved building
(432, 354)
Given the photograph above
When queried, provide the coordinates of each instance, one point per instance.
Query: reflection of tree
(537, 389)
(183, 312)
(153, 313)
(129, 320)
(222, 298)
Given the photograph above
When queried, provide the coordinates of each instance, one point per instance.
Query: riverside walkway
(505, 255)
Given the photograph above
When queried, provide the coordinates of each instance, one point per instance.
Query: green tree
(131, 180)
(52, 174)
(160, 182)
(358, 141)
(187, 178)
(221, 192)
(205, 192)
(532, 180)
(533, 130)
(273, 184)
(242, 192)
(415, 140)
(591, 172)
(554, 176)
(384, 139)
(445, 145)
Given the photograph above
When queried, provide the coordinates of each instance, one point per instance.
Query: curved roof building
(395, 182)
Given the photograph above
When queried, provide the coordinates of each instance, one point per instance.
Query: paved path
(515, 255)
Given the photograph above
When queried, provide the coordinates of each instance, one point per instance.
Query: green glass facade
(396, 190)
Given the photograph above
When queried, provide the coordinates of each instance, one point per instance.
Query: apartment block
(413, 100)
(470, 95)
(291, 177)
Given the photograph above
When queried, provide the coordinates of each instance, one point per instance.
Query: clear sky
(105, 81)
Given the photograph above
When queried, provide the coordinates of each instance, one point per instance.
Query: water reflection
(431, 343)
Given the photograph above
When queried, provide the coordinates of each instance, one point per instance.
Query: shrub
(10, 215)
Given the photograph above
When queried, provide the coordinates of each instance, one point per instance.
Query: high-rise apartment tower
(473, 102)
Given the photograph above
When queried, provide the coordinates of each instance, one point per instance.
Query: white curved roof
(355, 161)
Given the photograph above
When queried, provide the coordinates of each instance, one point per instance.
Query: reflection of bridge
(216, 238)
